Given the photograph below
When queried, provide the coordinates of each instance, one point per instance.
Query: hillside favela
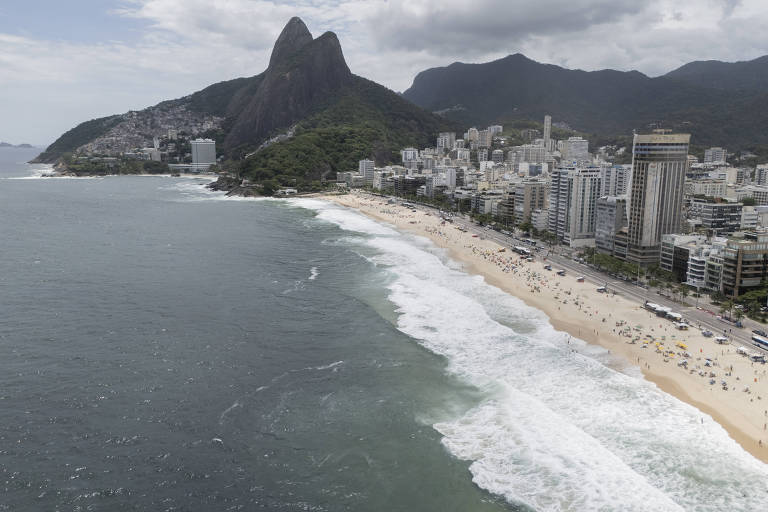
(535, 279)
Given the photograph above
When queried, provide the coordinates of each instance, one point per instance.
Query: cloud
(453, 27)
(184, 45)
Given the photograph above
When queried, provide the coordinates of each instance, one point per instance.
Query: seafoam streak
(558, 430)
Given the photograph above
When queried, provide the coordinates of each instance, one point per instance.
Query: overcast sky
(66, 61)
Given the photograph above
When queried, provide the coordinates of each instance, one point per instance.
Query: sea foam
(557, 430)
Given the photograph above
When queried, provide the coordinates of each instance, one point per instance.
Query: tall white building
(409, 155)
(575, 149)
(547, 131)
(495, 129)
(484, 139)
(365, 169)
(573, 204)
(446, 141)
(715, 156)
(659, 164)
(615, 179)
(531, 153)
(610, 217)
(203, 153)
(761, 174)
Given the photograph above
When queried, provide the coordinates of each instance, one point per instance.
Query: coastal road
(695, 316)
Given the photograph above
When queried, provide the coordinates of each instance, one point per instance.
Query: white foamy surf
(557, 430)
(194, 189)
(46, 172)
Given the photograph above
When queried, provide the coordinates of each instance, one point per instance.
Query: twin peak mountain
(307, 115)
(302, 119)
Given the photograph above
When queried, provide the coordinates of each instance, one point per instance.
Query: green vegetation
(749, 201)
(364, 121)
(76, 137)
(749, 303)
(611, 264)
(118, 166)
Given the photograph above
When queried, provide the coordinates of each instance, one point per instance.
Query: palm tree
(726, 306)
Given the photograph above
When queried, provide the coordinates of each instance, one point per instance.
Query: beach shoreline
(574, 307)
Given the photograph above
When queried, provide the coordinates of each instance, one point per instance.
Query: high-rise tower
(547, 132)
(659, 164)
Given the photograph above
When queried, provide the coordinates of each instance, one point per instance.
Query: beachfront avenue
(722, 372)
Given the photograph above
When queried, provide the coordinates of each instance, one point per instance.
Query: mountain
(749, 75)
(605, 102)
(304, 117)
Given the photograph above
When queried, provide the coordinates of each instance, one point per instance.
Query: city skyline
(88, 59)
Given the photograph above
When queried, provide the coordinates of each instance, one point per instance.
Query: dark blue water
(165, 353)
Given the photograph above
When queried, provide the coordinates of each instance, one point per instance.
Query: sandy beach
(632, 334)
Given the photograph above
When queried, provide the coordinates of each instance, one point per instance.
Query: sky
(64, 62)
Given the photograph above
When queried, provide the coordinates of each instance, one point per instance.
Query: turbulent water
(167, 348)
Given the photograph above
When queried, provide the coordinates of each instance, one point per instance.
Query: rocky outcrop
(302, 76)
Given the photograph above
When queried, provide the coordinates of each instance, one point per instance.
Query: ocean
(164, 347)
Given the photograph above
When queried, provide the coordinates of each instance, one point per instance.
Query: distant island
(9, 145)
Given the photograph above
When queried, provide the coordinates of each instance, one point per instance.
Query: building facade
(717, 218)
(530, 195)
(575, 149)
(611, 217)
(614, 179)
(659, 164)
(573, 204)
(706, 187)
(715, 156)
(203, 152)
(745, 264)
(365, 169)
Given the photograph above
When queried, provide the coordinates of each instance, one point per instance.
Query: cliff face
(301, 76)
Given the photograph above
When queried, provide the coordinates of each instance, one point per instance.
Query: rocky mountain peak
(293, 38)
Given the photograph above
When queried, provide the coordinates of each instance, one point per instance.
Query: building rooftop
(658, 138)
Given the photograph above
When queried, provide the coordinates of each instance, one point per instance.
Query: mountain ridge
(306, 102)
(603, 101)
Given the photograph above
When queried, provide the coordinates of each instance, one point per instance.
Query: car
(760, 333)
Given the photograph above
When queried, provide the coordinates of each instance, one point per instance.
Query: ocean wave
(558, 429)
(194, 189)
(46, 173)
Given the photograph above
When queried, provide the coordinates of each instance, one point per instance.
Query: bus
(522, 251)
(760, 342)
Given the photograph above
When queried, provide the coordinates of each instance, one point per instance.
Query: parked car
(760, 333)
